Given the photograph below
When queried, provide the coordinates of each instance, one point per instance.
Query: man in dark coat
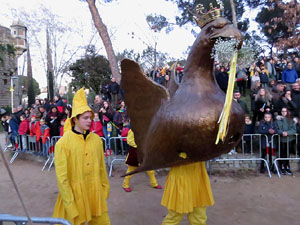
(114, 89)
(237, 98)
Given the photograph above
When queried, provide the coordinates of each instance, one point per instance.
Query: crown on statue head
(213, 13)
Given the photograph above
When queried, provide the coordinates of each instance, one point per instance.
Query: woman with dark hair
(59, 103)
(286, 128)
(53, 120)
(286, 101)
(106, 114)
(120, 115)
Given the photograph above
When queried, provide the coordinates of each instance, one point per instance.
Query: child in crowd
(124, 133)
(35, 133)
(23, 131)
(45, 132)
(249, 129)
(96, 126)
(266, 128)
(13, 127)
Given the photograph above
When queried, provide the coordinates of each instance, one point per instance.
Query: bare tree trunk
(233, 13)
(102, 30)
(30, 89)
(49, 68)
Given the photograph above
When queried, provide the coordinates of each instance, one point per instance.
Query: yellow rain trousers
(151, 174)
(187, 191)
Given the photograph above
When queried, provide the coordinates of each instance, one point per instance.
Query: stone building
(12, 45)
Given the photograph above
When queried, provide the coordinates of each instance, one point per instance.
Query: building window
(5, 81)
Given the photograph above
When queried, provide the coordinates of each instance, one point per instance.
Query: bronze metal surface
(187, 121)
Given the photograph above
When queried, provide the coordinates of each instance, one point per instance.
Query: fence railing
(21, 220)
(248, 141)
(117, 148)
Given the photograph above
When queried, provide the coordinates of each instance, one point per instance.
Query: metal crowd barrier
(27, 144)
(116, 151)
(21, 220)
(288, 143)
(50, 157)
(252, 155)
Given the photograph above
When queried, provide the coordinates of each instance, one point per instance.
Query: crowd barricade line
(122, 150)
(288, 143)
(19, 220)
(50, 158)
(252, 154)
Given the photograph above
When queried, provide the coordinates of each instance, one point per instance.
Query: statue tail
(137, 170)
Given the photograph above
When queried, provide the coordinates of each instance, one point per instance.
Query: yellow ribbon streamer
(224, 117)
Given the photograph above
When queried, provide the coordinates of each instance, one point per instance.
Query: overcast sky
(121, 17)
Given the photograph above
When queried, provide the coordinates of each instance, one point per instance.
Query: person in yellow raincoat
(80, 170)
(133, 163)
(187, 191)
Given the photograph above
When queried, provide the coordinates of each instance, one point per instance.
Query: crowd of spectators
(272, 86)
(45, 119)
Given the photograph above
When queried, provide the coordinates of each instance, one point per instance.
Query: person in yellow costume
(133, 163)
(187, 191)
(80, 170)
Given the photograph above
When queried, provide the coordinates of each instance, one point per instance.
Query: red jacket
(35, 129)
(45, 132)
(24, 127)
(61, 131)
(97, 128)
(124, 132)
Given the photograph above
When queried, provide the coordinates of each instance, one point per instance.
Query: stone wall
(254, 165)
(8, 68)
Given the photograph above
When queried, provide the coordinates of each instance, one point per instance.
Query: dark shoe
(289, 172)
(283, 171)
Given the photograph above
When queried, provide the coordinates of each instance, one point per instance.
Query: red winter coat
(97, 128)
(124, 132)
(24, 127)
(46, 135)
(61, 131)
(34, 128)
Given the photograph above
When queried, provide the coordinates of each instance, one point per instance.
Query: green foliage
(158, 22)
(129, 54)
(6, 49)
(148, 55)
(24, 81)
(188, 10)
(271, 27)
(69, 96)
(91, 71)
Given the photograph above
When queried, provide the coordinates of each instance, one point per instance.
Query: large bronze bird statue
(180, 125)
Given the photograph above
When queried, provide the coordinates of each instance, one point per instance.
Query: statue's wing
(142, 96)
(174, 84)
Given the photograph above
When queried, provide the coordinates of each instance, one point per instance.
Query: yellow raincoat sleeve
(62, 181)
(103, 174)
(130, 139)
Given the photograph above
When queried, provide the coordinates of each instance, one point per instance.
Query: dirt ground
(240, 199)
